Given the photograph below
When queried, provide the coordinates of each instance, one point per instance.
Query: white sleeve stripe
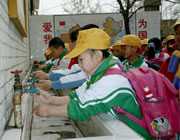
(73, 77)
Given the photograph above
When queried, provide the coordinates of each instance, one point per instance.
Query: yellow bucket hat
(176, 23)
(131, 40)
(118, 43)
(144, 41)
(170, 37)
(90, 39)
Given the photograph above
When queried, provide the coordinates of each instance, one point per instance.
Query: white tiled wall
(14, 54)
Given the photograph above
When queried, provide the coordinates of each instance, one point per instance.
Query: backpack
(158, 102)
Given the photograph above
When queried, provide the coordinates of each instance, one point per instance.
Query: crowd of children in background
(85, 65)
(161, 55)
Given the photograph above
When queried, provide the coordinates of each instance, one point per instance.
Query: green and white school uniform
(101, 92)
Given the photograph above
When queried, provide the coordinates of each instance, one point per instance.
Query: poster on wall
(148, 24)
(111, 23)
(47, 31)
(41, 32)
(43, 28)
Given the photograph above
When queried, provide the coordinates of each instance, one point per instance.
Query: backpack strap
(114, 71)
(118, 71)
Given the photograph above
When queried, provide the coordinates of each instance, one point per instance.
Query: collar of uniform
(63, 54)
(136, 63)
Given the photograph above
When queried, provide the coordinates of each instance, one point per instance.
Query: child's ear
(99, 53)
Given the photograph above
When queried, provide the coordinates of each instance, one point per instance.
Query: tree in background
(81, 6)
(128, 8)
(176, 12)
(175, 8)
(171, 9)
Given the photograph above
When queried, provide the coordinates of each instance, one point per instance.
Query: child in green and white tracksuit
(102, 92)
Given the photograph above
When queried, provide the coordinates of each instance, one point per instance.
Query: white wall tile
(12, 48)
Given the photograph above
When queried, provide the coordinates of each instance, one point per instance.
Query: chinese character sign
(47, 38)
(147, 24)
(142, 28)
(47, 27)
(142, 34)
(142, 23)
(47, 32)
(62, 24)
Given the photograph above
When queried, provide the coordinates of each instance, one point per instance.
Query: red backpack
(157, 98)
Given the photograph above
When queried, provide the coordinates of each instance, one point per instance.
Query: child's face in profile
(89, 61)
(57, 52)
(119, 51)
(116, 50)
(130, 51)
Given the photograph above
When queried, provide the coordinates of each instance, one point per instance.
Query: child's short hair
(74, 34)
(89, 26)
(157, 43)
(56, 42)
